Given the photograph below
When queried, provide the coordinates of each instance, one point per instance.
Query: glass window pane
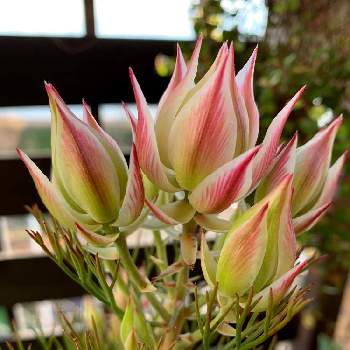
(250, 16)
(156, 19)
(27, 127)
(42, 17)
(115, 122)
(14, 240)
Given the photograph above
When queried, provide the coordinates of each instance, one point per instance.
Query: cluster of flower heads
(192, 162)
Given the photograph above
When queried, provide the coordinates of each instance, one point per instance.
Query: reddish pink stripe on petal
(132, 119)
(281, 236)
(225, 185)
(49, 195)
(75, 147)
(93, 184)
(135, 196)
(264, 158)
(111, 147)
(240, 111)
(308, 220)
(312, 163)
(146, 144)
(284, 165)
(245, 85)
(94, 238)
(279, 288)
(192, 66)
(287, 244)
(330, 186)
(181, 84)
(202, 137)
(242, 255)
(178, 75)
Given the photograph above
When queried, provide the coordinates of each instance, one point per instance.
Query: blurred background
(84, 47)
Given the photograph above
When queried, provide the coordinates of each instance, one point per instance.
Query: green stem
(160, 247)
(178, 298)
(140, 281)
(162, 255)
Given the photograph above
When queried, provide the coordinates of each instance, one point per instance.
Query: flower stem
(140, 281)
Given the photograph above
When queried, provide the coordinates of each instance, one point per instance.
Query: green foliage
(139, 320)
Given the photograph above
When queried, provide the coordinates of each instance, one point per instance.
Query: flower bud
(314, 182)
(90, 183)
(311, 168)
(203, 139)
(242, 255)
(261, 246)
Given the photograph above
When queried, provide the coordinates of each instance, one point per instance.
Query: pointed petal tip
(298, 94)
(287, 178)
(200, 36)
(199, 42)
(263, 210)
(48, 88)
(255, 53)
(19, 152)
(84, 103)
(22, 156)
(336, 122)
(132, 76)
(307, 221)
(131, 117)
(332, 127)
(178, 50)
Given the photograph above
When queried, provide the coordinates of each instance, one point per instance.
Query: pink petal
(221, 56)
(242, 255)
(330, 186)
(265, 156)
(132, 119)
(93, 184)
(135, 195)
(281, 246)
(202, 137)
(312, 163)
(279, 288)
(178, 75)
(245, 85)
(306, 221)
(284, 165)
(49, 195)
(287, 244)
(179, 212)
(180, 84)
(224, 186)
(111, 147)
(146, 143)
(240, 111)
